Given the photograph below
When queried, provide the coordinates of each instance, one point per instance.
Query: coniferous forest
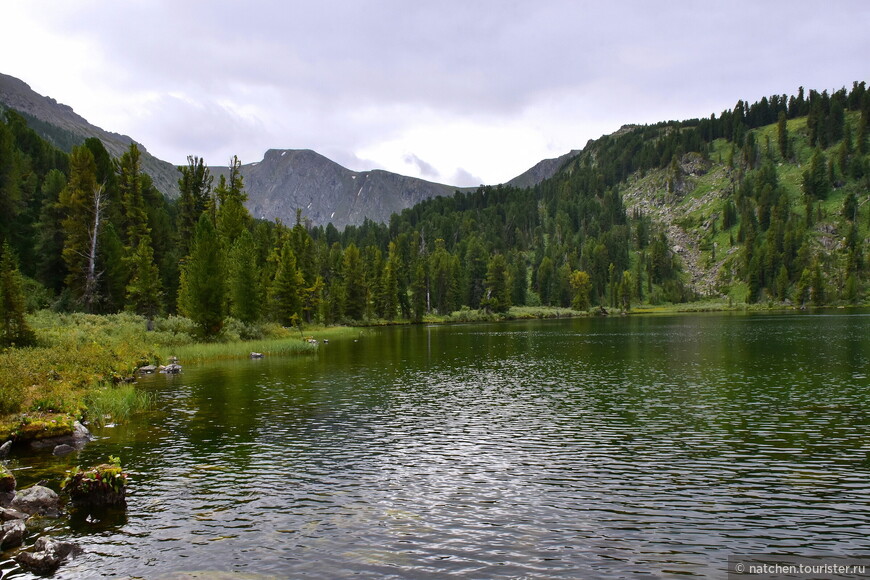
(775, 197)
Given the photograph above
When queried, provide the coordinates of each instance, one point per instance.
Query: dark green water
(639, 446)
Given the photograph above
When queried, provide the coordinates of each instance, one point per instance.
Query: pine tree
(626, 286)
(782, 283)
(419, 291)
(77, 205)
(130, 184)
(817, 286)
(49, 234)
(285, 293)
(195, 186)
(546, 273)
(497, 286)
(143, 289)
(442, 277)
(355, 294)
(201, 295)
(816, 179)
(390, 290)
(782, 135)
(475, 270)
(244, 280)
(14, 330)
(519, 281)
(581, 286)
(232, 215)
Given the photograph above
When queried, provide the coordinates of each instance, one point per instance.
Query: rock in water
(37, 500)
(4, 449)
(7, 486)
(63, 450)
(7, 514)
(12, 534)
(47, 555)
(101, 486)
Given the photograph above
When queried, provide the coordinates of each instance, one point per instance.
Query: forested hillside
(765, 202)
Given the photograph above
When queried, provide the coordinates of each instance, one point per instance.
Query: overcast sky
(462, 92)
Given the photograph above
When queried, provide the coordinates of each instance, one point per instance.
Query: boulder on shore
(77, 439)
(47, 555)
(7, 486)
(12, 534)
(37, 500)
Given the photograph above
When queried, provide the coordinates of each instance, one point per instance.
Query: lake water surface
(585, 448)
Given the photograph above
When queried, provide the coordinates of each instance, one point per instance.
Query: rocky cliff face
(287, 180)
(70, 128)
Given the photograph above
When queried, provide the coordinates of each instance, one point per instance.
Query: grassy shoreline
(84, 366)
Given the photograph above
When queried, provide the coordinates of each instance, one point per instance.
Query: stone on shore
(76, 438)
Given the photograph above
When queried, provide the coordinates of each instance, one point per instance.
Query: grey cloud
(463, 178)
(427, 170)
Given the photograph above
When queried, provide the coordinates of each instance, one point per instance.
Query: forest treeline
(92, 233)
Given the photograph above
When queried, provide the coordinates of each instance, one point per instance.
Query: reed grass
(114, 403)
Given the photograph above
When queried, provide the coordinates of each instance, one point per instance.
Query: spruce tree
(232, 215)
(782, 135)
(130, 184)
(419, 291)
(195, 186)
(143, 289)
(285, 293)
(497, 286)
(354, 283)
(201, 296)
(581, 285)
(76, 202)
(14, 330)
(243, 280)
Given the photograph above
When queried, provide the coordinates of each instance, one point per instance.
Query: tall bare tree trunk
(90, 295)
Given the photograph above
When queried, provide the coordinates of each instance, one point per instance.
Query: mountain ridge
(18, 95)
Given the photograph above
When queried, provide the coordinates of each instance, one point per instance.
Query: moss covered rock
(101, 486)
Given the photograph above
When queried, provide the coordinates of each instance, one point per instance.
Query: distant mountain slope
(326, 191)
(60, 125)
(542, 170)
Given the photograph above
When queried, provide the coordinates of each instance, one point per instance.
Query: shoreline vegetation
(84, 366)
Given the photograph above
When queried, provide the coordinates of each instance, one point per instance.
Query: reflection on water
(584, 448)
